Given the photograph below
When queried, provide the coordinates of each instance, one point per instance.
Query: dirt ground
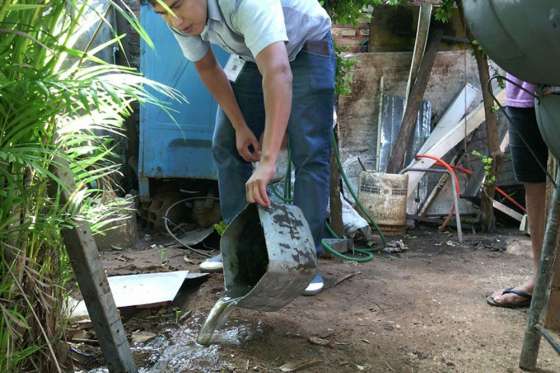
(421, 311)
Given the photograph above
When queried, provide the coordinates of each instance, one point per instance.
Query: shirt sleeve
(193, 47)
(261, 22)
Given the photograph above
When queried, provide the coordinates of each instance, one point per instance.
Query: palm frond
(61, 105)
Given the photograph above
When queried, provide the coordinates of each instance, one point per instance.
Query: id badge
(233, 67)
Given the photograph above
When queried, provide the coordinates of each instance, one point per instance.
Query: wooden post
(487, 218)
(406, 131)
(552, 314)
(335, 203)
(531, 342)
(94, 286)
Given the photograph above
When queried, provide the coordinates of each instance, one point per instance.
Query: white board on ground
(143, 289)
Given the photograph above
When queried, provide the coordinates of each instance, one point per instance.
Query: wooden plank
(453, 137)
(506, 210)
(452, 116)
(90, 274)
(422, 32)
(379, 123)
(415, 99)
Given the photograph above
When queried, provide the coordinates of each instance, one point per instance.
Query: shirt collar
(214, 10)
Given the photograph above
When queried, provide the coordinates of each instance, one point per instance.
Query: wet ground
(421, 311)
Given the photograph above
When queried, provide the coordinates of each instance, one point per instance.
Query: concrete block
(348, 32)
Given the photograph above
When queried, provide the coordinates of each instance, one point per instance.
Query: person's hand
(255, 188)
(247, 144)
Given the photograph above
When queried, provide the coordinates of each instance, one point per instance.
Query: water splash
(216, 318)
(182, 353)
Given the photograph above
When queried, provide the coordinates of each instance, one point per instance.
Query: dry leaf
(142, 336)
(294, 366)
(318, 341)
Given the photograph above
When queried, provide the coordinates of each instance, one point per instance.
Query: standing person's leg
(523, 133)
(309, 134)
(535, 199)
(234, 171)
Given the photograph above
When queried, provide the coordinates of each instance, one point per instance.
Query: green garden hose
(359, 255)
(358, 203)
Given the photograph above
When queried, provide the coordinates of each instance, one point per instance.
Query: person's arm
(274, 66)
(215, 79)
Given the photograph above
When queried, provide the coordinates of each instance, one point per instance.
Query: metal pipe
(456, 203)
(453, 192)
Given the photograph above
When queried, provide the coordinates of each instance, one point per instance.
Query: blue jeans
(309, 136)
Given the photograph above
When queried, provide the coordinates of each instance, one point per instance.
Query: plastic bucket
(383, 196)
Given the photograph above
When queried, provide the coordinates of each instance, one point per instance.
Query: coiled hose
(359, 255)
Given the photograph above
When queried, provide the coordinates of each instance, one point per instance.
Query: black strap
(519, 293)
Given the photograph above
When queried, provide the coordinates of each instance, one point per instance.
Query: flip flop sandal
(521, 304)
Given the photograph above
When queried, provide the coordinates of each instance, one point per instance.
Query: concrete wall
(358, 112)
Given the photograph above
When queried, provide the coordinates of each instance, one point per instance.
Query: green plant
(220, 228)
(58, 103)
(442, 13)
(344, 74)
(163, 256)
(487, 164)
(350, 11)
(178, 313)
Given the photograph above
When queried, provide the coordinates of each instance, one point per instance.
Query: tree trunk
(335, 202)
(487, 218)
(396, 161)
